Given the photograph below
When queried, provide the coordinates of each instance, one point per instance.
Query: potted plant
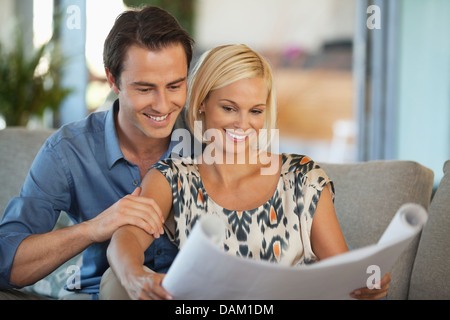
(30, 82)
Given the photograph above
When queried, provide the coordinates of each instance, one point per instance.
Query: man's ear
(111, 81)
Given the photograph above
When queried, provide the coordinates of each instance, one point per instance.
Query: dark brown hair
(151, 27)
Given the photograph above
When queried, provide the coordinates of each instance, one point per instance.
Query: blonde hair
(222, 66)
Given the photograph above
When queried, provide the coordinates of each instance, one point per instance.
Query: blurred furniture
(368, 195)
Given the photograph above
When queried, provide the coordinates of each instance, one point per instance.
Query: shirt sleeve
(44, 194)
(310, 182)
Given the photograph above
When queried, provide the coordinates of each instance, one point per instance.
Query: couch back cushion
(18, 147)
(430, 278)
(368, 195)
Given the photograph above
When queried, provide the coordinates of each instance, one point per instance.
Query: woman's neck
(228, 172)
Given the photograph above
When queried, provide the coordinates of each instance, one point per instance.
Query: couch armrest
(430, 278)
(368, 195)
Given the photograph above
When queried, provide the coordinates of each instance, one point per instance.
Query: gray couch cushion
(18, 148)
(368, 195)
(430, 278)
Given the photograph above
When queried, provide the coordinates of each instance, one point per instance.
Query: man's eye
(143, 90)
(175, 87)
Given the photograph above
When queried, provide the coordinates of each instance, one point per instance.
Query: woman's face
(236, 113)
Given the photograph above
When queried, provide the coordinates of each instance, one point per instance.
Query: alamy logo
(74, 280)
(373, 281)
(73, 21)
(374, 20)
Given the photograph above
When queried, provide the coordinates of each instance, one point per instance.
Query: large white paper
(202, 270)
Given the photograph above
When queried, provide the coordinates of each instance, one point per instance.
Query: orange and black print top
(277, 231)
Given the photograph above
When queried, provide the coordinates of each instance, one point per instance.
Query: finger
(136, 192)
(136, 211)
(145, 225)
(385, 280)
(154, 290)
(369, 294)
(152, 214)
(149, 202)
(375, 295)
(156, 215)
(149, 224)
(377, 292)
(161, 294)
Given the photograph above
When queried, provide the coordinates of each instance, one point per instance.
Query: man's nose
(161, 103)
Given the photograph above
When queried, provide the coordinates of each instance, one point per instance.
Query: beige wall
(270, 24)
(6, 24)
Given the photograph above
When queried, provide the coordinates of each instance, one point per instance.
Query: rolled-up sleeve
(44, 194)
(8, 246)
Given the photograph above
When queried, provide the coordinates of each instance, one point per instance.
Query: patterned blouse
(277, 231)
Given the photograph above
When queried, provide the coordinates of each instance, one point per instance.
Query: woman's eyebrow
(234, 103)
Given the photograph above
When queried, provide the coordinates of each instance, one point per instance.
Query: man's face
(152, 91)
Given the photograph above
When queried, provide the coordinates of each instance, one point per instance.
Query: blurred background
(357, 80)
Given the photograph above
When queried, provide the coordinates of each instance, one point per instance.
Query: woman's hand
(146, 285)
(373, 294)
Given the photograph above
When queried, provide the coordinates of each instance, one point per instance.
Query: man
(92, 168)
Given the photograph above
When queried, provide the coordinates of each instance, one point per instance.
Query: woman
(285, 217)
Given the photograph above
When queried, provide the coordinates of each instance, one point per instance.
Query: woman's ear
(111, 81)
(201, 109)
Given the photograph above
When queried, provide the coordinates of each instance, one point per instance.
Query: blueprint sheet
(202, 270)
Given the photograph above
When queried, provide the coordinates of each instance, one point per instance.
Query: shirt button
(158, 252)
(135, 183)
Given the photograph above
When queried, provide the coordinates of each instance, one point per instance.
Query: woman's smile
(235, 136)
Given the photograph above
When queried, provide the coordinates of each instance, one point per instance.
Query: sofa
(368, 194)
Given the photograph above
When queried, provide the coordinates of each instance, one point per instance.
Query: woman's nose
(242, 122)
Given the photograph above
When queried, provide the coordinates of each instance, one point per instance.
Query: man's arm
(40, 254)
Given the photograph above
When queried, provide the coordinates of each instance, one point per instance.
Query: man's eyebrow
(148, 84)
(142, 84)
(176, 81)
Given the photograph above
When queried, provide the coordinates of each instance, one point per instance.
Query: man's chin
(159, 133)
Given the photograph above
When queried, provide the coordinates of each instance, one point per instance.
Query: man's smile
(157, 119)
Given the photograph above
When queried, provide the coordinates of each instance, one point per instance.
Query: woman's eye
(227, 108)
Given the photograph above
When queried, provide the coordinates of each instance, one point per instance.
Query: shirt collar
(113, 151)
(187, 143)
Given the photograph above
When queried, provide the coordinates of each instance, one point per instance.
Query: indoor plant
(30, 82)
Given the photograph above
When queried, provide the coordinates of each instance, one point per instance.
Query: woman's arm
(128, 244)
(328, 240)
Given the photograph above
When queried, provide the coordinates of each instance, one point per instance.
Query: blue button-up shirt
(80, 170)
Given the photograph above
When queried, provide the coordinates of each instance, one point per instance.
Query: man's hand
(132, 209)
